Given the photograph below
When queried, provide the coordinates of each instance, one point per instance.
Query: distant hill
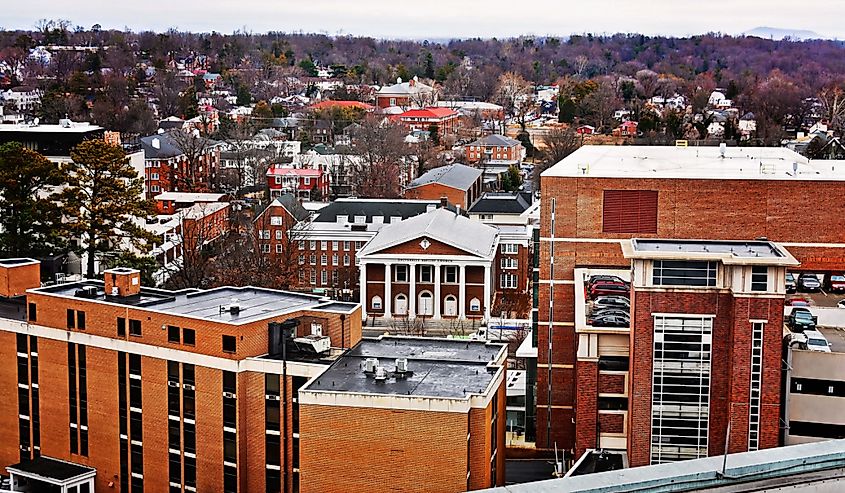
(780, 33)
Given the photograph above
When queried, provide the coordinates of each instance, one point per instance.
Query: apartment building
(113, 386)
(598, 199)
(494, 149)
(178, 165)
(460, 184)
(435, 405)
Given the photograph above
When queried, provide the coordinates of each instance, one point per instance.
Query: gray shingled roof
(168, 147)
(442, 225)
(502, 203)
(495, 140)
(292, 205)
(458, 176)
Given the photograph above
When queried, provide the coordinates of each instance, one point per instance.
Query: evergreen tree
(103, 200)
(30, 217)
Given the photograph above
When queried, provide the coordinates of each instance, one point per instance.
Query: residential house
(494, 148)
(459, 183)
(443, 120)
(167, 164)
(306, 183)
(411, 94)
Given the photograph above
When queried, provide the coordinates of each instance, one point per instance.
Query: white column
(487, 300)
(362, 288)
(437, 300)
(412, 289)
(462, 292)
(388, 297)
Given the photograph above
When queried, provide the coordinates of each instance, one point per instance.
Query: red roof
(429, 113)
(343, 104)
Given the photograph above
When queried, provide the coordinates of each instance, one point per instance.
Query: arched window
(475, 305)
(376, 303)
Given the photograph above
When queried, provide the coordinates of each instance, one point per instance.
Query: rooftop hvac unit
(115, 291)
(370, 365)
(401, 365)
(313, 344)
(86, 292)
(381, 374)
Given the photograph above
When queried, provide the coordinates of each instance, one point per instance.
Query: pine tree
(30, 217)
(103, 200)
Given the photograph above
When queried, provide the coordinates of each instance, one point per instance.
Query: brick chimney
(122, 282)
(17, 275)
(444, 202)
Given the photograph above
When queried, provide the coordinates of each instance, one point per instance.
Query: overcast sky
(436, 18)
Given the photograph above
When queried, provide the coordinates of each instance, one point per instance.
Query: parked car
(605, 278)
(801, 320)
(841, 304)
(612, 301)
(610, 321)
(622, 312)
(790, 283)
(797, 301)
(816, 341)
(809, 282)
(606, 288)
(836, 283)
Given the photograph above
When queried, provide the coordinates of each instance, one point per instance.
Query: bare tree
(199, 236)
(380, 149)
(559, 142)
(832, 100)
(514, 93)
(196, 146)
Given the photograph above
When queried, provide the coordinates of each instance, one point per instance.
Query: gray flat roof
(255, 303)
(741, 470)
(760, 252)
(445, 368)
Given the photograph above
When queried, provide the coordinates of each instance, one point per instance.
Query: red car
(797, 301)
(608, 288)
(836, 283)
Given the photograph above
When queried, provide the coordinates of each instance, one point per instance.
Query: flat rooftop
(807, 467)
(728, 252)
(74, 128)
(738, 163)
(440, 368)
(255, 303)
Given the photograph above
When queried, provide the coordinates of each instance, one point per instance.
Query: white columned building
(437, 265)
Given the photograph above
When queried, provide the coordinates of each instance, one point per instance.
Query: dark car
(801, 319)
(610, 321)
(809, 282)
(611, 302)
(605, 278)
(606, 288)
(624, 312)
(790, 283)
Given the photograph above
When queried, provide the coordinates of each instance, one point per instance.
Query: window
(629, 211)
(324, 259)
(401, 273)
(759, 278)
(121, 327)
(346, 246)
(278, 180)
(279, 234)
(359, 245)
(276, 220)
(681, 376)
(312, 245)
(335, 245)
(323, 277)
(189, 337)
(475, 305)
(451, 274)
(71, 319)
(684, 273)
(376, 303)
(334, 259)
(756, 387)
(264, 234)
(426, 273)
(80, 320)
(509, 263)
(155, 188)
(279, 248)
(301, 260)
(301, 244)
(32, 312)
(306, 180)
(153, 176)
(313, 277)
(229, 344)
(508, 281)
(173, 334)
(324, 245)
(134, 327)
(312, 259)
(346, 259)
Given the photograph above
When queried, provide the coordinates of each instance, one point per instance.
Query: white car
(841, 304)
(816, 341)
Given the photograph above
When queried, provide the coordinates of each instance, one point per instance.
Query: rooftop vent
(156, 143)
(401, 365)
(723, 148)
(381, 374)
(89, 292)
(370, 365)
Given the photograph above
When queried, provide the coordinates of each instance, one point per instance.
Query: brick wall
(586, 406)
(434, 191)
(16, 279)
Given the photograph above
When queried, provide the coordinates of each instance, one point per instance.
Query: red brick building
(494, 149)
(155, 390)
(597, 199)
(444, 120)
(167, 167)
(411, 94)
(460, 184)
(170, 202)
(306, 183)
(437, 404)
